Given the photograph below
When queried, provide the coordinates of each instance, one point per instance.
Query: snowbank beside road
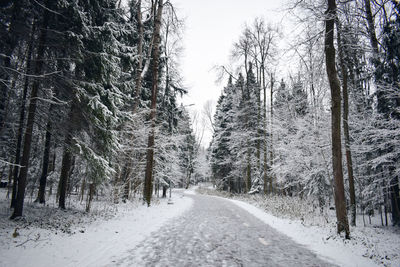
(333, 249)
(99, 244)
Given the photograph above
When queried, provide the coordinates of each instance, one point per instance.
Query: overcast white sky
(211, 28)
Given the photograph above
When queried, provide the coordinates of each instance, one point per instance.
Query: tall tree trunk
(371, 29)
(9, 181)
(127, 170)
(65, 168)
(271, 152)
(126, 177)
(46, 155)
(67, 160)
(83, 186)
(147, 192)
(5, 77)
(265, 169)
(138, 86)
(248, 170)
(140, 54)
(21, 119)
(381, 94)
(52, 167)
(189, 175)
(116, 185)
(260, 83)
(334, 83)
(395, 201)
(92, 189)
(19, 202)
(349, 161)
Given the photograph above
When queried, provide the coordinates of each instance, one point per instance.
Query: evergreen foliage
(77, 61)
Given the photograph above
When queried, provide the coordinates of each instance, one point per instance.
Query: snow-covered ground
(370, 245)
(95, 242)
(313, 237)
(48, 236)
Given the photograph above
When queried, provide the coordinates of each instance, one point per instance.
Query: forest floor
(48, 236)
(371, 244)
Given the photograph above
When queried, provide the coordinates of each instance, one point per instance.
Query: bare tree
(242, 49)
(334, 83)
(208, 113)
(256, 45)
(346, 132)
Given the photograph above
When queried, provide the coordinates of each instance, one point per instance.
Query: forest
(91, 107)
(327, 130)
(89, 101)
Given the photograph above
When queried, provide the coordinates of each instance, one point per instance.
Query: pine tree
(219, 146)
(387, 76)
(187, 148)
(22, 179)
(251, 127)
(236, 136)
(97, 91)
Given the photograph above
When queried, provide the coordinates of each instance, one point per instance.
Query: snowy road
(215, 232)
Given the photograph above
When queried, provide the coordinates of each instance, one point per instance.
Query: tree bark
(45, 167)
(19, 202)
(258, 94)
(90, 196)
(9, 181)
(271, 152)
(265, 169)
(147, 192)
(83, 186)
(395, 201)
(21, 119)
(248, 170)
(140, 54)
(349, 161)
(126, 174)
(46, 155)
(138, 85)
(65, 167)
(67, 160)
(371, 28)
(189, 176)
(334, 83)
